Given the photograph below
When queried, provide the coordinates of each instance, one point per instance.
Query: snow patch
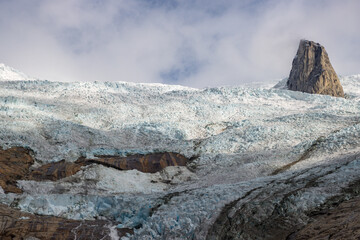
(113, 232)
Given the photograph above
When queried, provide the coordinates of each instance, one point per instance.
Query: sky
(197, 43)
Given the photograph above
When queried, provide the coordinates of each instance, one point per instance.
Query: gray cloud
(195, 43)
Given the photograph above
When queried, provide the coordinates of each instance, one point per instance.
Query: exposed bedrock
(14, 165)
(149, 163)
(15, 224)
(54, 171)
(312, 71)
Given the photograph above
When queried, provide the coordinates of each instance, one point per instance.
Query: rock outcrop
(15, 224)
(14, 165)
(149, 163)
(312, 71)
(54, 171)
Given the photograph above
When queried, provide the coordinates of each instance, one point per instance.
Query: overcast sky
(196, 43)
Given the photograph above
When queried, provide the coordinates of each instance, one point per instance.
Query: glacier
(245, 144)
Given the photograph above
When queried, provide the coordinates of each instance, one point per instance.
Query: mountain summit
(312, 71)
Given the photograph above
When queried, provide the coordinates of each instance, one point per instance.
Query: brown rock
(55, 171)
(14, 165)
(18, 225)
(312, 71)
(149, 163)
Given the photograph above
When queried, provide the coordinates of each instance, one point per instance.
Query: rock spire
(312, 71)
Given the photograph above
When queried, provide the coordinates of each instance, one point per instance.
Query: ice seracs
(236, 138)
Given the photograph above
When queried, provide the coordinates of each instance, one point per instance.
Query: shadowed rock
(149, 163)
(312, 71)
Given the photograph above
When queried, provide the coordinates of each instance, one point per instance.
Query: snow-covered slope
(9, 74)
(241, 139)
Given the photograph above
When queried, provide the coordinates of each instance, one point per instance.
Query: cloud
(195, 43)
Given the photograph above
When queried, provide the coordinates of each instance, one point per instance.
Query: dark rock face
(14, 165)
(54, 171)
(15, 224)
(312, 71)
(149, 163)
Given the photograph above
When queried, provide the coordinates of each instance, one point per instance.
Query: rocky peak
(312, 71)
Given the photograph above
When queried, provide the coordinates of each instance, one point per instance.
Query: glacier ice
(236, 137)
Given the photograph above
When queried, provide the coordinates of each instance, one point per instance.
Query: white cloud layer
(196, 43)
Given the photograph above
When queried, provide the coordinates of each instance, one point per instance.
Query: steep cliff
(312, 71)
